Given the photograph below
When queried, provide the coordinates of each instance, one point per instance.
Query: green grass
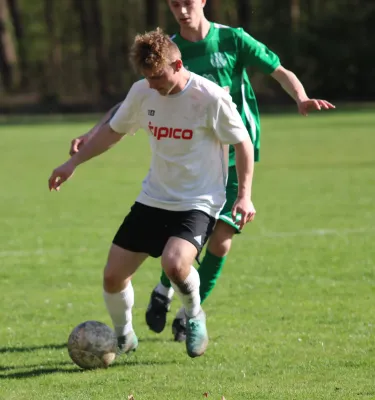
(291, 318)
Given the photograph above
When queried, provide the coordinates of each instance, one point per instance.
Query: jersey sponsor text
(163, 132)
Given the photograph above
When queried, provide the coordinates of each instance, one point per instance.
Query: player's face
(188, 13)
(164, 80)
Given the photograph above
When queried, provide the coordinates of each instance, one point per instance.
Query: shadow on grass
(34, 366)
(66, 367)
(34, 371)
(28, 349)
(32, 348)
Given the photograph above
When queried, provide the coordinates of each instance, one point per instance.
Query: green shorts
(231, 195)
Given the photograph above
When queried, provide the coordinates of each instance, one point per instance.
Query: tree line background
(71, 55)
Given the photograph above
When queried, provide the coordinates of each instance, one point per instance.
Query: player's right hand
(60, 175)
(76, 143)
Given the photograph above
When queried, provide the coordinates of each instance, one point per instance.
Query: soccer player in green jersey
(221, 54)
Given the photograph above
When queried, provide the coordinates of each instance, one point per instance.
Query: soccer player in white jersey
(222, 54)
(189, 120)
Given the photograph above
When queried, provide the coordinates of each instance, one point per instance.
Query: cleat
(156, 314)
(196, 335)
(179, 329)
(127, 343)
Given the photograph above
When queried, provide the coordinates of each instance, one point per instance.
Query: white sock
(188, 292)
(119, 306)
(165, 291)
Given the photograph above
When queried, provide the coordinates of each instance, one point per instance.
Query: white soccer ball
(92, 344)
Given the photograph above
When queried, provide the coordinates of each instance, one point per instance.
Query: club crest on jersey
(164, 132)
(218, 60)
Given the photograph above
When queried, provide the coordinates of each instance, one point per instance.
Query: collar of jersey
(184, 89)
(208, 36)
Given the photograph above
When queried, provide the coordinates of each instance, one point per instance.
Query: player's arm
(104, 138)
(110, 131)
(293, 86)
(255, 54)
(125, 120)
(76, 143)
(243, 205)
(230, 129)
(245, 167)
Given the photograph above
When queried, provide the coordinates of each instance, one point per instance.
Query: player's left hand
(245, 207)
(313, 105)
(60, 175)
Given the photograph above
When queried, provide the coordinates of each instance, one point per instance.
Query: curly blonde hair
(153, 51)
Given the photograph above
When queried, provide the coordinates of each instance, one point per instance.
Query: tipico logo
(172, 133)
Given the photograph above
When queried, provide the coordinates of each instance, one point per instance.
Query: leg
(209, 271)
(165, 282)
(119, 293)
(214, 259)
(212, 264)
(221, 239)
(177, 259)
(187, 225)
(121, 265)
(141, 234)
(159, 304)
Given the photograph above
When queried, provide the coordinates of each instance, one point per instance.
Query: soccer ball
(92, 344)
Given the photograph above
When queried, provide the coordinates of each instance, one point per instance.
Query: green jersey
(223, 56)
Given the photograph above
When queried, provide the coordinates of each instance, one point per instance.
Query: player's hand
(60, 175)
(76, 143)
(245, 208)
(313, 105)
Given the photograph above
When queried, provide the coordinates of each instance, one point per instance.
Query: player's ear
(178, 65)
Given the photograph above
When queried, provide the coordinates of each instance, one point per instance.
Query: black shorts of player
(147, 229)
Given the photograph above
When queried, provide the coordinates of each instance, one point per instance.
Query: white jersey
(188, 132)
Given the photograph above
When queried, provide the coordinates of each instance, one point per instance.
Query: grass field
(293, 316)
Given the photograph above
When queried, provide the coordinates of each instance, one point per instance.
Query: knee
(112, 282)
(172, 266)
(177, 259)
(219, 248)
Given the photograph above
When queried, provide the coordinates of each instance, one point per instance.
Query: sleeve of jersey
(256, 54)
(126, 119)
(227, 122)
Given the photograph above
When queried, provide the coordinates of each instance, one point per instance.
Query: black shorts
(147, 229)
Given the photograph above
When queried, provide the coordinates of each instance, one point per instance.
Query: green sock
(209, 271)
(164, 280)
